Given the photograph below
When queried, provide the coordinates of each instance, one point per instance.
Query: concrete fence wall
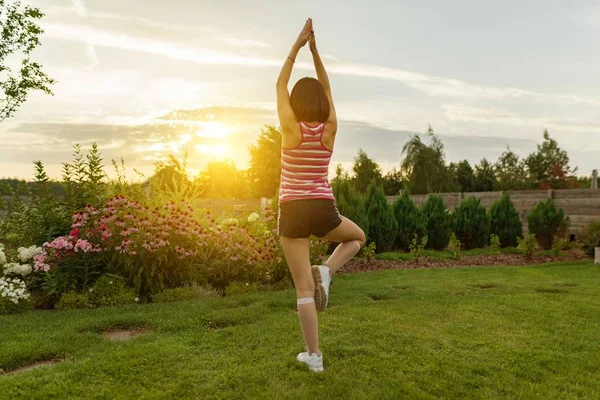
(581, 205)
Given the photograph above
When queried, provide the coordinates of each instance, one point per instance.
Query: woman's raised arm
(284, 108)
(324, 79)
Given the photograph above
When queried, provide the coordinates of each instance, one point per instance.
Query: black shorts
(300, 219)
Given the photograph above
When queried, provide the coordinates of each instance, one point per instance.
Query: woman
(306, 202)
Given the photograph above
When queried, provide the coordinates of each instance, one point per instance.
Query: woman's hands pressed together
(304, 35)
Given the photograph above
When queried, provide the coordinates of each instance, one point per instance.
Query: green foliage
(438, 222)
(471, 223)
(190, 292)
(369, 251)
(590, 239)
(424, 165)
(465, 176)
(350, 203)
(236, 288)
(265, 162)
(366, 171)
(20, 37)
(505, 221)
(110, 290)
(549, 165)
(410, 221)
(318, 250)
(511, 172)
(546, 221)
(382, 223)
(485, 177)
(393, 182)
(73, 300)
(454, 246)
(495, 245)
(528, 245)
(557, 245)
(417, 246)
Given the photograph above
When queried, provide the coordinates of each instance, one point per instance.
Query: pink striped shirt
(304, 168)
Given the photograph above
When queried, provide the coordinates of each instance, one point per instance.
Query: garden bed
(357, 266)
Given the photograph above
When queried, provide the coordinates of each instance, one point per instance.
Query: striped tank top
(304, 168)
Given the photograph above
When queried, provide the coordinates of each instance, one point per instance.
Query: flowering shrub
(14, 296)
(160, 248)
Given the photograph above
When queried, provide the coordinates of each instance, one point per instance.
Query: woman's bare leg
(351, 239)
(297, 254)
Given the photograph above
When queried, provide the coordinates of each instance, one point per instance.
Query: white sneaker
(322, 282)
(314, 361)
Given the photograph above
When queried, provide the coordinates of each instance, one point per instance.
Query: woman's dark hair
(309, 101)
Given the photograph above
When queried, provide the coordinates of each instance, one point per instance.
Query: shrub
(417, 246)
(350, 203)
(382, 223)
(454, 246)
(368, 252)
(590, 239)
(73, 300)
(236, 288)
(495, 246)
(14, 296)
(194, 292)
(471, 223)
(505, 222)
(557, 245)
(546, 222)
(528, 245)
(110, 290)
(410, 221)
(437, 222)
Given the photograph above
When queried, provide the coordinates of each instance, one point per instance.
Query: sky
(144, 79)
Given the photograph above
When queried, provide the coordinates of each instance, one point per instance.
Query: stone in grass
(121, 334)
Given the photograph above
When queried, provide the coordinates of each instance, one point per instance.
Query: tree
(511, 172)
(424, 165)
(225, 180)
(549, 166)
(505, 222)
(366, 171)
(471, 223)
(410, 222)
(437, 222)
(485, 178)
(350, 203)
(464, 176)
(265, 162)
(382, 223)
(393, 182)
(20, 36)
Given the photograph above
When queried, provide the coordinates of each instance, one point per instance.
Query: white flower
(13, 289)
(229, 221)
(27, 253)
(137, 299)
(2, 257)
(17, 269)
(253, 217)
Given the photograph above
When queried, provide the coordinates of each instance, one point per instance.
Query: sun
(213, 130)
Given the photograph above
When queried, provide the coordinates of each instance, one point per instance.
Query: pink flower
(74, 233)
(84, 246)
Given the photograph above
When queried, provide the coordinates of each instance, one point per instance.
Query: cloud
(588, 17)
(178, 50)
(90, 50)
(488, 115)
(244, 43)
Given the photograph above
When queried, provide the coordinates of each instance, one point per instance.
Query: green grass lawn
(530, 332)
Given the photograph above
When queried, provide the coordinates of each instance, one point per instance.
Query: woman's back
(305, 167)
